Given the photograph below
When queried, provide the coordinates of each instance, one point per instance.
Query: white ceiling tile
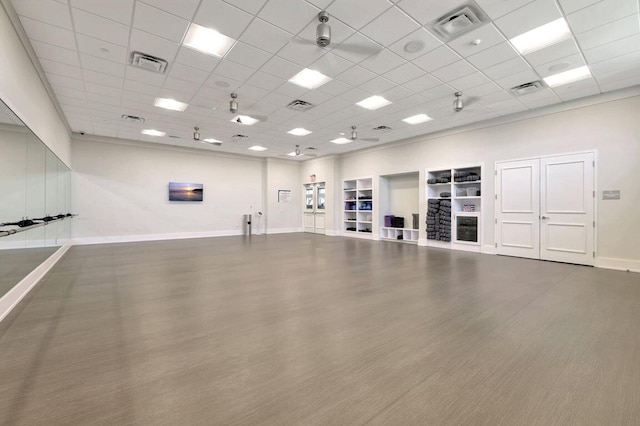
(196, 59)
(222, 17)
(251, 6)
(153, 45)
(377, 85)
(438, 92)
(607, 33)
(65, 81)
(144, 76)
(103, 90)
(397, 93)
(331, 65)
(510, 67)
(358, 17)
(356, 76)
(248, 55)
(339, 32)
(354, 95)
(422, 83)
(291, 90)
(183, 8)
(103, 79)
(426, 11)
(68, 92)
(428, 41)
(116, 10)
(93, 63)
(404, 73)
(101, 28)
(290, 16)
(159, 22)
(616, 83)
(357, 48)
(233, 70)
(335, 87)
(184, 72)
(516, 79)
(102, 99)
(437, 58)
(469, 81)
(619, 66)
(55, 53)
(390, 27)
(493, 56)
(52, 67)
(498, 8)
(65, 100)
(253, 92)
(382, 62)
(316, 97)
(265, 36)
(142, 88)
(528, 17)
(487, 34)
(300, 52)
(579, 89)
(553, 52)
(183, 90)
(264, 81)
(613, 49)
(567, 63)
(454, 71)
(483, 90)
(570, 6)
(539, 103)
(600, 14)
(282, 68)
(96, 47)
(49, 34)
(45, 12)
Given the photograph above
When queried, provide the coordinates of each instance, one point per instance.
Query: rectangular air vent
(238, 137)
(300, 105)
(381, 128)
(132, 118)
(527, 88)
(463, 19)
(148, 62)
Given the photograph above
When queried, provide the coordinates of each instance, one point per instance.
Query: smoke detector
(300, 105)
(465, 18)
(148, 62)
(526, 88)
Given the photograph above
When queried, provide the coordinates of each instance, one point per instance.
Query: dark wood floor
(301, 329)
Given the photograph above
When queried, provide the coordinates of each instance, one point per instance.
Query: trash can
(247, 224)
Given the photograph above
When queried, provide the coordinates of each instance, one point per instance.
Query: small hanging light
(196, 133)
(233, 103)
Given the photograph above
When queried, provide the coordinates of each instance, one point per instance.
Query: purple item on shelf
(387, 220)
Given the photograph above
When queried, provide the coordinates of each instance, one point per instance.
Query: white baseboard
(331, 233)
(283, 230)
(153, 237)
(617, 264)
(488, 249)
(11, 298)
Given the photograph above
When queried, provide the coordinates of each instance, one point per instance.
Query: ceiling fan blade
(369, 139)
(358, 49)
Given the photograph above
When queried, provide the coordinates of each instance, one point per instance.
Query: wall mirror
(34, 185)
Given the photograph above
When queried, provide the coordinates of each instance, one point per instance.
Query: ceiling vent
(148, 62)
(132, 118)
(238, 137)
(300, 105)
(381, 129)
(526, 88)
(465, 18)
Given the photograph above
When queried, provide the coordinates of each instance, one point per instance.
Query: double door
(545, 208)
(314, 207)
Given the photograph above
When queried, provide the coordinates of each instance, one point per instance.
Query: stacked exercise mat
(439, 220)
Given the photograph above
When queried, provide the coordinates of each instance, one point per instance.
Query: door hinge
(594, 254)
(496, 245)
(496, 221)
(593, 163)
(495, 172)
(594, 223)
(496, 196)
(594, 194)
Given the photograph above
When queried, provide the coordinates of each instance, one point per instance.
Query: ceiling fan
(298, 153)
(247, 118)
(459, 102)
(354, 136)
(196, 137)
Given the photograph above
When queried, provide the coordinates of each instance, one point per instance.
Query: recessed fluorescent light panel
(374, 102)
(309, 79)
(208, 41)
(171, 104)
(541, 37)
(417, 119)
(341, 141)
(211, 140)
(151, 132)
(257, 148)
(567, 77)
(299, 132)
(244, 119)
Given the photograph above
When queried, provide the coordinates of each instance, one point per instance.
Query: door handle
(545, 217)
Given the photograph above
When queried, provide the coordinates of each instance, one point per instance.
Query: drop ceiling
(84, 48)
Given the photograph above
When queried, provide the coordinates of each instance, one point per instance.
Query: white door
(314, 208)
(545, 208)
(566, 209)
(518, 208)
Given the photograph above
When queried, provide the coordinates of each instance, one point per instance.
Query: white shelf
(391, 234)
(470, 214)
(356, 192)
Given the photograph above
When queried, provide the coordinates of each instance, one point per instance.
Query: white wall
(403, 198)
(23, 91)
(121, 192)
(612, 128)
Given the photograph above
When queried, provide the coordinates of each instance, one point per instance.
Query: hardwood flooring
(302, 329)
(15, 264)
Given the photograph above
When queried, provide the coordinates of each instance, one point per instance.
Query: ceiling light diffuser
(244, 119)
(211, 140)
(309, 79)
(207, 40)
(417, 119)
(374, 102)
(171, 104)
(541, 37)
(341, 141)
(257, 148)
(299, 132)
(567, 77)
(152, 132)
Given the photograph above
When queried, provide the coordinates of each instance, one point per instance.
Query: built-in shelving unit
(398, 207)
(454, 200)
(358, 207)
(399, 234)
